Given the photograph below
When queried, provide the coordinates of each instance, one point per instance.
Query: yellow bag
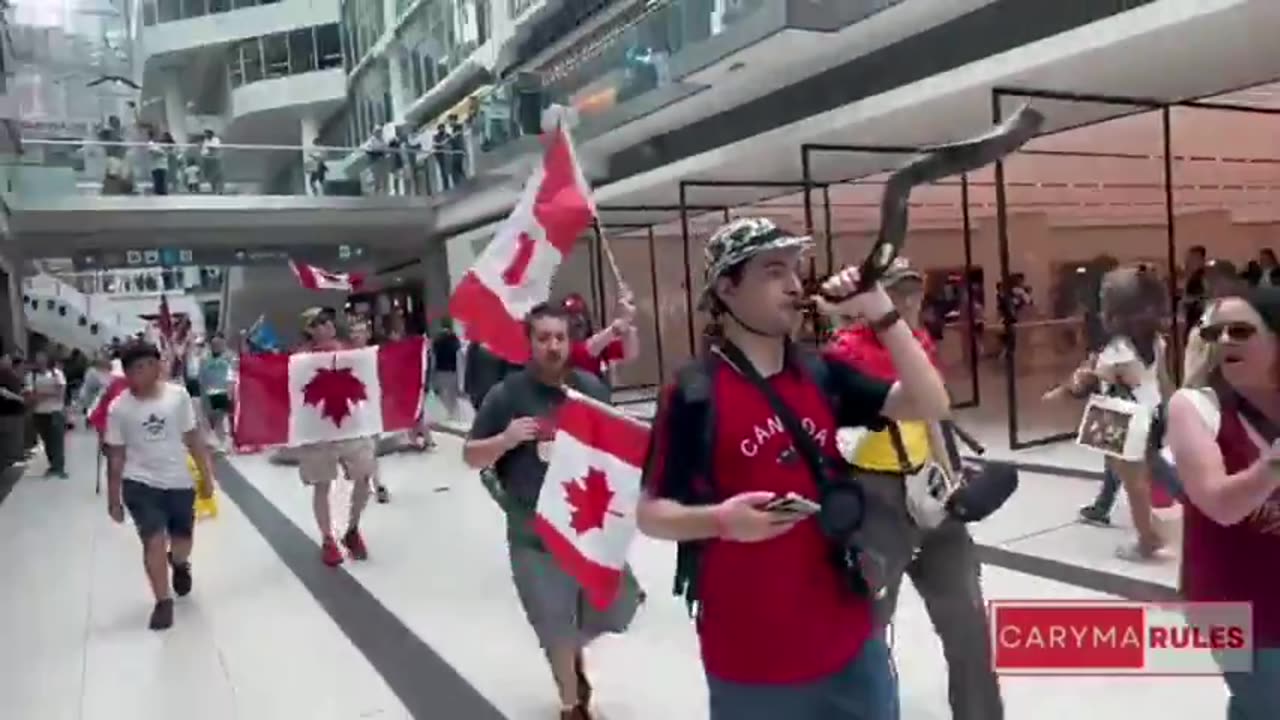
(205, 507)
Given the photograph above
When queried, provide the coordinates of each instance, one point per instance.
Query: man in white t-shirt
(150, 430)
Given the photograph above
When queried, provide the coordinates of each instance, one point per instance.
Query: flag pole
(623, 288)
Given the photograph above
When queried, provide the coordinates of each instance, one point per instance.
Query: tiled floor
(253, 642)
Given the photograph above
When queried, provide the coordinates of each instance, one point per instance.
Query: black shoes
(181, 577)
(162, 615)
(1094, 515)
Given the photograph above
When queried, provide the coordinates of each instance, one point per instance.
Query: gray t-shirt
(521, 470)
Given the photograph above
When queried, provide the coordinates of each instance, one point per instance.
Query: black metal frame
(598, 270)
(806, 168)
(1140, 105)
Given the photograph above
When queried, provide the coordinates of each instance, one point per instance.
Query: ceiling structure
(1221, 159)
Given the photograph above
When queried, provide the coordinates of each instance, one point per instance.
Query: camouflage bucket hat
(739, 241)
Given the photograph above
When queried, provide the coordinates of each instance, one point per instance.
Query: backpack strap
(692, 406)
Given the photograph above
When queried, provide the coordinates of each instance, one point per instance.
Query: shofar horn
(934, 164)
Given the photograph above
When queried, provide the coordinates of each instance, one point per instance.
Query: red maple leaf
(335, 391)
(590, 500)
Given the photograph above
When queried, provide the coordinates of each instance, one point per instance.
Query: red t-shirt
(598, 365)
(1236, 563)
(774, 612)
(861, 347)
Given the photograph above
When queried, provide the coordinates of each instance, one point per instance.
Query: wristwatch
(886, 321)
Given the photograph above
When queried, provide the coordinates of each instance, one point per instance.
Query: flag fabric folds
(514, 272)
(317, 278)
(586, 513)
(308, 397)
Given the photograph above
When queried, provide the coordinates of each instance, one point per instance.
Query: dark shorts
(157, 510)
(193, 388)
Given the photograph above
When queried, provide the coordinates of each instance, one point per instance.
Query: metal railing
(135, 168)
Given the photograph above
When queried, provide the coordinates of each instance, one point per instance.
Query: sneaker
(162, 615)
(383, 494)
(355, 544)
(330, 553)
(181, 577)
(584, 685)
(1093, 515)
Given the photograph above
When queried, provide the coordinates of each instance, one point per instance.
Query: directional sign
(325, 256)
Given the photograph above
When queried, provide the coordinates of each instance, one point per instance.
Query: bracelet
(886, 321)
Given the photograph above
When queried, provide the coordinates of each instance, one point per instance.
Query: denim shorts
(865, 689)
(156, 510)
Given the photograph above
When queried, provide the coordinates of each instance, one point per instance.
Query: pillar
(175, 106)
(309, 128)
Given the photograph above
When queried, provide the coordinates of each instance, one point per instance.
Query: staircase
(69, 317)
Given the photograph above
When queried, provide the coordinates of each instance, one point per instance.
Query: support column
(309, 128)
(175, 106)
(399, 84)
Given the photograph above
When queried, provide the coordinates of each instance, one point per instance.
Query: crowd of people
(788, 479)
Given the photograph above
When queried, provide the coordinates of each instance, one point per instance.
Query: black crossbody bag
(843, 501)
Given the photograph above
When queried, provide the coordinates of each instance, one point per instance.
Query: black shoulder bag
(843, 501)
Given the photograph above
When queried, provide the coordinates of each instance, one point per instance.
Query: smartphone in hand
(792, 504)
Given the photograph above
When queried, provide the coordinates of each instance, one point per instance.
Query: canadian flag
(586, 514)
(315, 278)
(95, 416)
(514, 272)
(307, 397)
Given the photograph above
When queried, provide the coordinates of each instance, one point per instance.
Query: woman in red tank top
(1231, 469)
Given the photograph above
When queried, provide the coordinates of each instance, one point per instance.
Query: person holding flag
(514, 432)
(319, 462)
(597, 352)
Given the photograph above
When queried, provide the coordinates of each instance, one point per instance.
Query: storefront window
(281, 54)
(154, 11)
(328, 46)
(439, 36)
(275, 55)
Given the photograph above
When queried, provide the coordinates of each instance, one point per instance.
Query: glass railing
(47, 169)
(618, 68)
(145, 281)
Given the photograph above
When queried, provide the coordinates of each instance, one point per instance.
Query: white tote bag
(1115, 426)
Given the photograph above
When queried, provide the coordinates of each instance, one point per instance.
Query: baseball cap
(900, 271)
(740, 240)
(313, 315)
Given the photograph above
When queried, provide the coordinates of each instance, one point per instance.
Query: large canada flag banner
(586, 514)
(514, 272)
(307, 397)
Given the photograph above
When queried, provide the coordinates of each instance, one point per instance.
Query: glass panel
(329, 46)
(219, 6)
(252, 52)
(193, 8)
(149, 12)
(275, 55)
(302, 51)
(245, 3)
(169, 10)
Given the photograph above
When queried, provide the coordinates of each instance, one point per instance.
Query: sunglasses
(1237, 332)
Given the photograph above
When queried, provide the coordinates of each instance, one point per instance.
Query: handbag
(983, 487)
(843, 502)
(970, 493)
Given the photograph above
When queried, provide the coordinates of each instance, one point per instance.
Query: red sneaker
(330, 553)
(355, 545)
